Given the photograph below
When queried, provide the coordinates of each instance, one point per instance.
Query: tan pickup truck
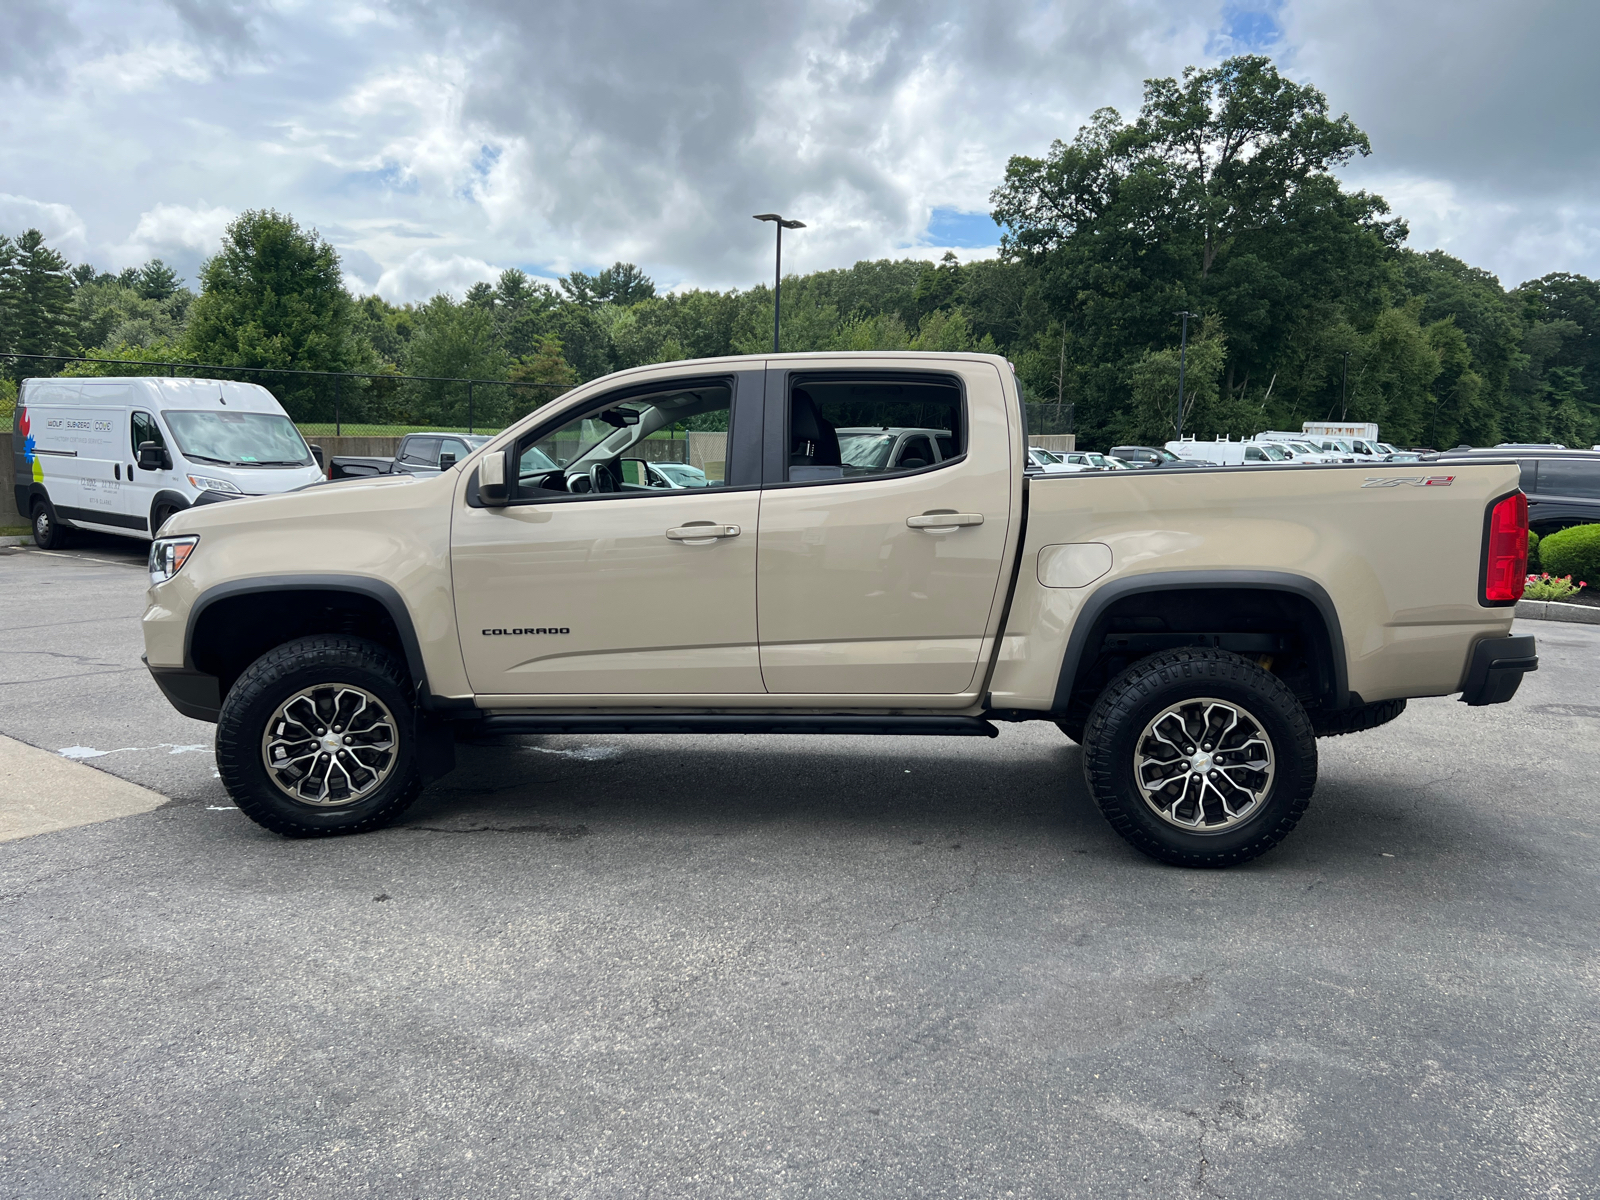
(1193, 630)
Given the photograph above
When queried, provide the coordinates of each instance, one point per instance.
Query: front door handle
(702, 534)
(944, 522)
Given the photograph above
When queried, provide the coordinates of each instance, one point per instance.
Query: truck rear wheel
(1200, 758)
(318, 737)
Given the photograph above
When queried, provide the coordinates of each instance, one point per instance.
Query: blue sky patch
(952, 227)
(1249, 27)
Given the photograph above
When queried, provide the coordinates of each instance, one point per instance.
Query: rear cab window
(862, 425)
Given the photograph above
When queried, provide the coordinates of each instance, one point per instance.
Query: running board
(736, 723)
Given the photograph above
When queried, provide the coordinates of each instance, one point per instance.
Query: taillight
(1506, 571)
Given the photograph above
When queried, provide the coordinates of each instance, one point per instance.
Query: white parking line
(82, 752)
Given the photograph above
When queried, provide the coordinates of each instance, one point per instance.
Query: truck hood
(318, 503)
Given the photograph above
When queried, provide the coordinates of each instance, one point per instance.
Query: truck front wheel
(1200, 758)
(318, 737)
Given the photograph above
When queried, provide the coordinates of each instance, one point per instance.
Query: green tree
(1218, 199)
(273, 296)
(1208, 411)
(157, 281)
(35, 300)
(454, 342)
(548, 369)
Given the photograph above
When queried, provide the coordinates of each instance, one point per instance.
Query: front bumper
(1496, 669)
(193, 693)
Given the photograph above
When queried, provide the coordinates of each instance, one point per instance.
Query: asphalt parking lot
(789, 966)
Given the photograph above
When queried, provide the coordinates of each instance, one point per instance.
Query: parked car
(1223, 453)
(1049, 462)
(417, 454)
(867, 450)
(121, 455)
(1194, 649)
(1563, 486)
(1105, 462)
(1304, 448)
(1148, 457)
(662, 474)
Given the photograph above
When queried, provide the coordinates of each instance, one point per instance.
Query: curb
(1554, 610)
(22, 540)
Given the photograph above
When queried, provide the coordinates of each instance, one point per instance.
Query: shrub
(1548, 587)
(1534, 565)
(1574, 552)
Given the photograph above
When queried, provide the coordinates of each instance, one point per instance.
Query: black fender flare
(1102, 598)
(373, 589)
(27, 493)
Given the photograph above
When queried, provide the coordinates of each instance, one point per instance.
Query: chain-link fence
(341, 403)
(1049, 419)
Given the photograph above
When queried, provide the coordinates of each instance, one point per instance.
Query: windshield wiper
(221, 462)
(267, 462)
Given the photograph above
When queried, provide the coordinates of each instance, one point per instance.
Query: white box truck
(122, 455)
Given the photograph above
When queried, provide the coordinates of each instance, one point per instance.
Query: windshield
(1167, 456)
(239, 439)
(1275, 453)
(866, 450)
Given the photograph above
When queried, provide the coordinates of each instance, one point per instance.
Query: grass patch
(15, 530)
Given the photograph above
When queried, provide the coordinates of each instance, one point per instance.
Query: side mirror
(316, 453)
(153, 457)
(446, 460)
(494, 489)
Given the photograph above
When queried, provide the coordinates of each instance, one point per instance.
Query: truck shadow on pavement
(1024, 786)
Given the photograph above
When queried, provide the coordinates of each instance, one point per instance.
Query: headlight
(207, 484)
(167, 556)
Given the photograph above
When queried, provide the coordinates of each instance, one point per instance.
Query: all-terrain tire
(316, 664)
(48, 532)
(1115, 733)
(1354, 720)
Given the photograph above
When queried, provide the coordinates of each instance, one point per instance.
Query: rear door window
(863, 426)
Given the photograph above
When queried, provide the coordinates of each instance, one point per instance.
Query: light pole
(777, 274)
(1183, 355)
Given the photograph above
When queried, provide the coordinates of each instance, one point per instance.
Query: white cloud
(62, 227)
(430, 142)
(178, 234)
(424, 274)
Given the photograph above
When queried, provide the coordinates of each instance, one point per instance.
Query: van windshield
(239, 439)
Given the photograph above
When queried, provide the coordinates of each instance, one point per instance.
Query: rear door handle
(944, 522)
(702, 535)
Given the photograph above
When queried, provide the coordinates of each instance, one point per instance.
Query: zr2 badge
(1389, 481)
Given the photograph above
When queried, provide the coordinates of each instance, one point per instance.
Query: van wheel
(158, 517)
(48, 533)
(318, 737)
(1200, 758)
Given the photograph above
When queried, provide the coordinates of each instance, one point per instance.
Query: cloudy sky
(435, 143)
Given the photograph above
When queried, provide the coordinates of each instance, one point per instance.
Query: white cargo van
(122, 455)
